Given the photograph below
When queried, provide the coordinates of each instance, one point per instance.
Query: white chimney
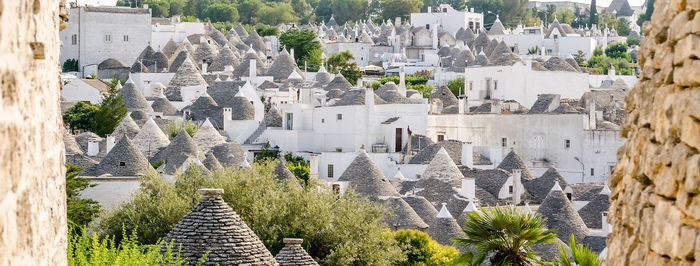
(93, 147)
(204, 66)
(252, 71)
(110, 143)
(517, 174)
(430, 9)
(402, 82)
(606, 226)
(468, 154)
(460, 105)
(313, 166)
(291, 52)
(591, 116)
(468, 188)
(435, 36)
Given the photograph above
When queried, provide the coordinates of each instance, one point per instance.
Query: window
(338, 149)
(289, 123)
(427, 26)
(339, 117)
(108, 38)
(330, 171)
(569, 195)
(444, 10)
(471, 85)
(556, 36)
(126, 38)
(504, 142)
(74, 39)
(510, 189)
(495, 84)
(441, 137)
(323, 120)
(592, 171)
(567, 143)
(122, 163)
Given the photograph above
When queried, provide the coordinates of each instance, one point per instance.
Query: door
(399, 139)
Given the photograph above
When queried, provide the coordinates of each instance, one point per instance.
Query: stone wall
(32, 183)
(655, 202)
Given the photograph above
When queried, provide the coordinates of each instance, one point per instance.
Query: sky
(603, 3)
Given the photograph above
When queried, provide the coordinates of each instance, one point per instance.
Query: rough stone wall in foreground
(32, 193)
(655, 202)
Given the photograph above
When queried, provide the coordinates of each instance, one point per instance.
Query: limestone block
(692, 181)
(688, 74)
(686, 48)
(679, 26)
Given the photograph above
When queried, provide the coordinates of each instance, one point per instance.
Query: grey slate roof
(555, 63)
(163, 105)
(443, 168)
(491, 180)
(127, 127)
(111, 63)
(513, 161)
(138, 67)
(393, 97)
(223, 59)
(537, 66)
(205, 51)
(84, 138)
(562, 216)
(243, 69)
(540, 187)
(124, 159)
(595, 243)
(592, 212)
(151, 139)
(443, 230)
(550, 251)
(586, 191)
(186, 75)
(240, 30)
(322, 77)
(213, 226)
(621, 7)
(338, 82)
(293, 254)
(461, 61)
(366, 179)
(273, 117)
(160, 62)
(256, 42)
(178, 59)
(573, 63)
(180, 149)
(448, 99)
(504, 59)
(211, 163)
(401, 216)
(480, 60)
(492, 46)
(425, 156)
(223, 92)
(356, 96)
(71, 146)
(283, 66)
(284, 176)
(543, 103)
(169, 48)
(229, 154)
(207, 137)
(205, 107)
(133, 98)
(242, 109)
(418, 142)
(465, 35)
(334, 94)
(497, 28)
(425, 210)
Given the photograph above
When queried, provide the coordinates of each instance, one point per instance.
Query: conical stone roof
(461, 61)
(160, 62)
(212, 226)
(150, 139)
(448, 98)
(284, 176)
(443, 168)
(539, 187)
(127, 127)
(256, 42)
(207, 137)
(513, 161)
(322, 77)
(178, 59)
(555, 63)
(366, 179)
(283, 66)
(211, 163)
(501, 48)
(163, 105)
(465, 34)
(292, 254)
(562, 216)
(445, 227)
(70, 144)
(338, 82)
(179, 150)
(242, 109)
(229, 154)
(497, 28)
(243, 69)
(422, 207)
(480, 60)
(273, 117)
(240, 30)
(592, 212)
(205, 51)
(481, 42)
(124, 159)
(132, 96)
(401, 215)
(186, 75)
(138, 67)
(223, 59)
(169, 48)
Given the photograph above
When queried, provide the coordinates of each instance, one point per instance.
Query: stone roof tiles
(513, 161)
(284, 176)
(562, 216)
(124, 159)
(293, 254)
(366, 179)
(127, 127)
(133, 98)
(540, 187)
(401, 215)
(207, 137)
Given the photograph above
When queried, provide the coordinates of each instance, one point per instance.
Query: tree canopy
(306, 49)
(80, 211)
(399, 8)
(340, 63)
(510, 11)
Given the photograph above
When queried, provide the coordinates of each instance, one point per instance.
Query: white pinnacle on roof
(119, 85)
(605, 190)
(251, 51)
(556, 186)
(294, 75)
(239, 94)
(245, 163)
(130, 80)
(399, 175)
(527, 208)
(322, 69)
(471, 207)
(444, 213)
(229, 78)
(217, 78)
(482, 52)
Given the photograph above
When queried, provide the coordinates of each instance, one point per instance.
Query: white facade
(177, 31)
(449, 19)
(361, 51)
(542, 140)
(522, 84)
(98, 33)
(81, 90)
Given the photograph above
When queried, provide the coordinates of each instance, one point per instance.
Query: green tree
(80, 211)
(456, 86)
(593, 13)
(340, 63)
(175, 126)
(504, 235)
(580, 57)
(622, 27)
(349, 10)
(565, 15)
(420, 249)
(177, 7)
(267, 31)
(631, 42)
(324, 10)
(510, 11)
(399, 8)
(302, 10)
(71, 65)
(306, 49)
(337, 231)
(581, 255)
(111, 112)
(646, 16)
(248, 10)
(219, 12)
(276, 13)
(617, 50)
(81, 116)
(159, 8)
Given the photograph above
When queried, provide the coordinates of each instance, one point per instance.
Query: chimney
(468, 154)
(292, 242)
(204, 66)
(313, 165)
(606, 226)
(592, 116)
(402, 82)
(252, 71)
(110, 143)
(291, 52)
(468, 188)
(460, 105)
(435, 36)
(517, 174)
(211, 192)
(397, 21)
(93, 147)
(430, 9)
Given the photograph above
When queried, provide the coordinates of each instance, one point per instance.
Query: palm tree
(504, 236)
(580, 255)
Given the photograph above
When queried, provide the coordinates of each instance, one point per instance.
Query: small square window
(323, 120)
(504, 142)
(338, 149)
(441, 138)
(126, 38)
(592, 171)
(510, 189)
(339, 116)
(495, 84)
(108, 38)
(74, 39)
(471, 85)
(122, 163)
(330, 171)
(567, 143)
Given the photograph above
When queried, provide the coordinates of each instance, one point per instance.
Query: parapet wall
(655, 202)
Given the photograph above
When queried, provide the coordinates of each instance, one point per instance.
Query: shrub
(80, 211)
(456, 86)
(420, 249)
(174, 127)
(410, 80)
(581, 255)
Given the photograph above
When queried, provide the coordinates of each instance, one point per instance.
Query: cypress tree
(594, 13)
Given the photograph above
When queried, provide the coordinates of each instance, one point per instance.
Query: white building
(84, 90)
(360, 50)
(98, 33)
(175, 30)
(449, 19)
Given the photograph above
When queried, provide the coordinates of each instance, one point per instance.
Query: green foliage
(601, 64)
(71, 65)
(90, 249)
(266, 153)
(410, 80)
(222, 26)
(425, 90)
(510, 12)
(80, 211)
(306, 49)
(631, 42)
(188, 19)
(400, 8)
(618, 50)
(81, 116)
(298, 166)
(349, 10)
(267, 31)
(456, 86)
(534, 50)
(646, 16)
(110, 113)
(324, 10)
(276, 13)
(505, 235)
(623, 27)
(159, 8)
(565, 15)
(115, 81)
(582, 255)
(580, 57)
(158, 164)
(420, 249)
(337, 231)
(593, 14)
(339, 63)
(248, 10)
(219, 12)
(174, 127)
